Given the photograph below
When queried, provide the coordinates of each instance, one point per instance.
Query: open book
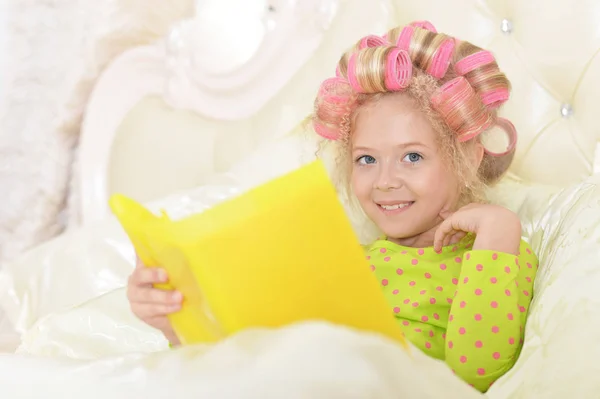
(282, 253)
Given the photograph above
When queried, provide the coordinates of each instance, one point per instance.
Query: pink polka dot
(516, 283)
(450, 344)
(494, 256)
(529, 251)
(463, 359)
(423, 292)
(477, 317)
(463, 304)
(462, 331)
(478, 344)
(384, 282)
(424, 319)
(414, 261)
(495, 329)
(368, 258)
(406, 322)
(383, 250)
(444, 336)
(439, 288)
(428, 275)
(493, 280)
(479, 268)
(372, 268)
(395, 292)
(507, 292)
(458, 260)
(420, 251)
(418, 330)
(478, 292)
(454, 248)
(528, 279)
(443, 266)
(517, 262)
(406, 301)
(428, 345)
(449, 300)
(511, 341)
(455, 281)
(529, 266)
(436, 316)
(399, 272)
(494, 304)
(432, 301)
(415, 304)
(386, 259)
(451, 317)
(466, 280)
(438, 251)
(522, 309)
(404, 252)
(507, 269)
(496, 355)
(396, 309)
(481, 371)
(468, 256)
(526, 293)
(412, 283)
(510, 316)
(431, 334)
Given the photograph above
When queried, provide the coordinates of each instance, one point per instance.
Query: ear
(477, 152)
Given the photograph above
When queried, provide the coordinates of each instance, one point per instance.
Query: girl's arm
(488, 314)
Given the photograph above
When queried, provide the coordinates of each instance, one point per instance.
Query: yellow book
(282, 253)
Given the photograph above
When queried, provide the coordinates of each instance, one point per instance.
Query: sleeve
(488, 313)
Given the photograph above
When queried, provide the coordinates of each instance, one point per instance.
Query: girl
(405, 114)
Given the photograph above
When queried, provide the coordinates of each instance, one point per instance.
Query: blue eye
(365, 160)
(413, 157)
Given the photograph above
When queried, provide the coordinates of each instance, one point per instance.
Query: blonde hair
(457, 85)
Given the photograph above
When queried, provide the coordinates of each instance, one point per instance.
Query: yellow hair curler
(279, 254)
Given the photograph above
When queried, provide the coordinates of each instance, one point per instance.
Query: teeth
(394, 207)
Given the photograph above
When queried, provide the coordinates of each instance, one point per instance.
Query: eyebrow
(403, 145)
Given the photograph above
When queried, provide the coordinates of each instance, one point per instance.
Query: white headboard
(164, 118)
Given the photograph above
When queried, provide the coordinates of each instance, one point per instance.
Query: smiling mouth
(395, 208)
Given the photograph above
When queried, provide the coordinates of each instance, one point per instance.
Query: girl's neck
(422, 240)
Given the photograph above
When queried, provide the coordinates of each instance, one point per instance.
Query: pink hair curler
(371, 41)
(441, 60)
(511, 132)
(352, 79)
(453, 95)
(405, 37)
(334, 100)
(424, 25)
(495, 98)
(398, 70)
(473, 61)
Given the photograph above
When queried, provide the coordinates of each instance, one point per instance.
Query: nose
(388, 177)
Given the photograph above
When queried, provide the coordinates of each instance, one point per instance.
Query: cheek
(360, 184)
(436, 185)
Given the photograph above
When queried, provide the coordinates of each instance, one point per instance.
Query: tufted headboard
(165, 118)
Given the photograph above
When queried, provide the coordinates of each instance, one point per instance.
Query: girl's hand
(496, 228)
(149, 304)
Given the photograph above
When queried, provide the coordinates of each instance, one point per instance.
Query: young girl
(405, 114)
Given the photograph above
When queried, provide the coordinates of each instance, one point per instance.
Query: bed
(183, 124)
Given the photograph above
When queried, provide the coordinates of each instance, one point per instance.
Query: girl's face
(399, 175)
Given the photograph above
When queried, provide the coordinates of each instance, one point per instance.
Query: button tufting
(566, 110)
(506, 26)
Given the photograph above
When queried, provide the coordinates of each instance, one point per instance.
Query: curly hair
(457, 85)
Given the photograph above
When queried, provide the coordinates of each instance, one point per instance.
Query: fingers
(148, 275)
(154, 296)
(456, 237)
(148, 312)
(442, 235)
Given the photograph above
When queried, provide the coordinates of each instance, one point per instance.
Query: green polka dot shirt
(466, 307)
